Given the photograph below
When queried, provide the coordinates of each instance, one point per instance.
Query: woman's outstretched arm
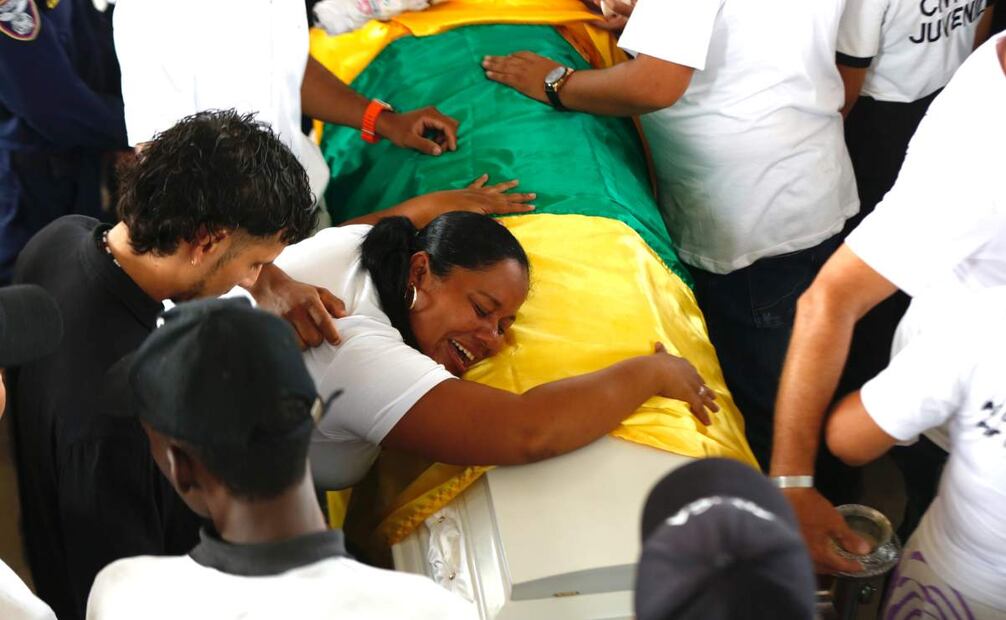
(466, 423)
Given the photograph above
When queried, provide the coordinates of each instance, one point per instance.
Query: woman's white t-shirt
(17, 602)
(380, 376)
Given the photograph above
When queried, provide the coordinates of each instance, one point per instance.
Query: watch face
(555, 75)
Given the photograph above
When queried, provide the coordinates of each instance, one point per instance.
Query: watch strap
(552, 90)
(368, 128)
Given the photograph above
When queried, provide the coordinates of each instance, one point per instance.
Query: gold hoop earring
(415, 295)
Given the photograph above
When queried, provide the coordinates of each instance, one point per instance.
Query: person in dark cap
(223, 394)
(30, 327)
(719, 542)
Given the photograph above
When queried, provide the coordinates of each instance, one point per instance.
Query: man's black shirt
(90, 491)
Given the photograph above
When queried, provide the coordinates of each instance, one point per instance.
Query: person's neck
(153, 274)
(293, 513)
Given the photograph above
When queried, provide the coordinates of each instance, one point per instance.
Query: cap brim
(31, 325)
(117, 396)
(708, 478)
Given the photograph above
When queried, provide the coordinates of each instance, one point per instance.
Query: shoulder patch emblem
(19, 19)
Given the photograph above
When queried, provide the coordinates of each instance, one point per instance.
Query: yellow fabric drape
(599, 295)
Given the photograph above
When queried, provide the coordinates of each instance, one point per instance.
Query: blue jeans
(750, 313)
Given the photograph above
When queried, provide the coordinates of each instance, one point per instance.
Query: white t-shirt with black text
(941, 230)
(751, 161)
(943, 224)
(953, 374)
(381, 376)
(912, 47)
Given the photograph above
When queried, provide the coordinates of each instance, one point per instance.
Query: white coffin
(554, 540)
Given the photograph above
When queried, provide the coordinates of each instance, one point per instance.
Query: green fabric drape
(576, 163)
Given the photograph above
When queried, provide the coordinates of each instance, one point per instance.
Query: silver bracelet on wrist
(793, 482)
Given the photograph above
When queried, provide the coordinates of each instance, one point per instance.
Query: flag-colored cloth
(606, 284)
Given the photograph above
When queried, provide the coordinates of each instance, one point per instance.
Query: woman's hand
(476, 198)
(488, 200)
(680, 381)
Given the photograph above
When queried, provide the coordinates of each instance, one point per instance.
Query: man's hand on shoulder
(820, 524)
(311, 310)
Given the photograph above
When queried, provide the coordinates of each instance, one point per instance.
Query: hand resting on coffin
(477, 197)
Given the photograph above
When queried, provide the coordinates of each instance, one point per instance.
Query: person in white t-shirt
(251, 55)
(424, 305)
(895, 56)
(954, 565)
(223, 395)
(740, 105)
(940, 231)
(30, 327)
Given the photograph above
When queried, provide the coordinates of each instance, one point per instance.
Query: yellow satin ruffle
(347, 55)
(599, 295)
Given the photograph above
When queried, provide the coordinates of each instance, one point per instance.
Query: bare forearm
(325, 97)
(817, 354)
(852, 79)
(568, 414)
(419, 210)
(984, 26)
(627, 89)
(466, 423)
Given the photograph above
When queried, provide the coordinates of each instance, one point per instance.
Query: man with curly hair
(206, 206)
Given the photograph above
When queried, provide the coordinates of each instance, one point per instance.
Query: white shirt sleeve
(860, 29)
(16, 600)
(921, 387)
(381, 378)
(911, 241)
(677, 31)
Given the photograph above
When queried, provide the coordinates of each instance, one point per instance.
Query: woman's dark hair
(214, 170)
(455, 239)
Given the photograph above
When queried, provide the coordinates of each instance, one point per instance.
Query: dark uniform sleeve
(38, 83)
(116, 504)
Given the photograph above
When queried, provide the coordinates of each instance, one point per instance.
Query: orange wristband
(368, 128)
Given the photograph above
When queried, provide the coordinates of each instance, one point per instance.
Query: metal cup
(876, 529)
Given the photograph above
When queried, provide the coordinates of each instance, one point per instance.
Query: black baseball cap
(31, 325)
(720, 542)
(217, 373)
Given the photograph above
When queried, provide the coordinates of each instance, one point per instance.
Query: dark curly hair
(214, 170)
